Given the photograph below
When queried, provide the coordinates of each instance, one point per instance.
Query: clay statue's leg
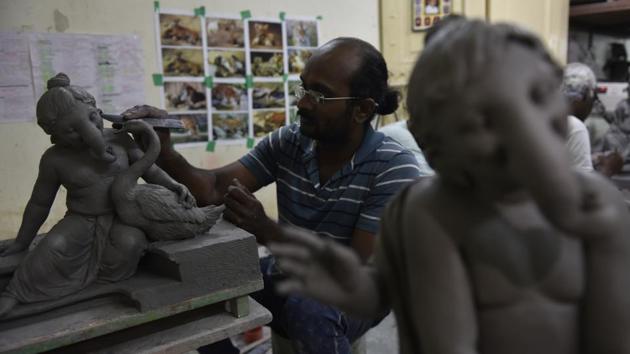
(126, 246)
(6, 304)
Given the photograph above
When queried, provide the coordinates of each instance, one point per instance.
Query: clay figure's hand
(318, 268)
(107, 155)
(246, 212)
(12, 248)
(185, 197)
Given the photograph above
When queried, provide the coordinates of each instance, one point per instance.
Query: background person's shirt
(400, 132)
(579, 145)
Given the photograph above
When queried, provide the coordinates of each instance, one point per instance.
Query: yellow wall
(548, 18)
(21, 144)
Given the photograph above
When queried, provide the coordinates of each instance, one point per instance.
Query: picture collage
(426, 13)
(231, 78)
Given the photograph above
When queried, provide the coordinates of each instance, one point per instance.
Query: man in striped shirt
(334, 176)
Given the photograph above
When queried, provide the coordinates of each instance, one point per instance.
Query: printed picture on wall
(229, 97)
(184, 96)
(195, 129)
(180, 30)
(265, 35)
(427, 13)
(266, 64)
(229, 126)
(267, 121)
(298, 59)
(225, 33)
(182, 62)
(301, 33)
(230, 63)
(268, 95)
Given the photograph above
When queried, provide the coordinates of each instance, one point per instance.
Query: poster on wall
(108, 66)
(230, 78)
(426, 13)
(184, 95)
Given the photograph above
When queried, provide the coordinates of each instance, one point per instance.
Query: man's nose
(306, 103)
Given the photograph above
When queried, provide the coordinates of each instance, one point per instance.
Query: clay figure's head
(69, 115)
(454, 102)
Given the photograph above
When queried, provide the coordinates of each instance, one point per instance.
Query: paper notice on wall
(16, 89)
(108, 67)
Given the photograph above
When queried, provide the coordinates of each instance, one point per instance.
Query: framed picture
(426, 13)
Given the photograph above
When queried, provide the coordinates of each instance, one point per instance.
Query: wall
(547, 18)
(21, 144)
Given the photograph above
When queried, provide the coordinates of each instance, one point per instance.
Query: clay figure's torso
(527, 277)
(87, 179)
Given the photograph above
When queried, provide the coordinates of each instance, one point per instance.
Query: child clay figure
(90, 242)
(508, 249)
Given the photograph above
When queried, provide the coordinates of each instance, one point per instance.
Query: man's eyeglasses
(318, 97)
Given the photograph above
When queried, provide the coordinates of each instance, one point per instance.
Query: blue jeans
(312, 327)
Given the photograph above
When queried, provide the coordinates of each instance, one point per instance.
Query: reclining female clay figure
(508, 249)
(90, 242)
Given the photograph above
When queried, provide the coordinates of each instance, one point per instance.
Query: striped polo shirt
(353, 198)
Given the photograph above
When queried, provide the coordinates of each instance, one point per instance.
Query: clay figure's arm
(327, 271)
(207, 186)
(606, 305)
(38, 206)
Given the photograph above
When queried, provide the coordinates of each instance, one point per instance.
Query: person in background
(579, 87)
(334, 175)
(614, 151)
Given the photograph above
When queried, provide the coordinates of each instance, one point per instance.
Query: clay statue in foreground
(93, 240)
(508, 249)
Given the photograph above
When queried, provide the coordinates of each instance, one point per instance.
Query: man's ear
(364, 110)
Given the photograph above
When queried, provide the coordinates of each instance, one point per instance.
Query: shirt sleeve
(401, 170)
(262, 160)
(579, 146)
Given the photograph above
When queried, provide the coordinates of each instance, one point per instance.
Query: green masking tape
(210, 146)
(285, 77)
(249, 81)
(156, 6)
(282, 15)
(320, 17)
(200, 11)
(208, 82)
(158, 80)
(245, 14)
(250, 143)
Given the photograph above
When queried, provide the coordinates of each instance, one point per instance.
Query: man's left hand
(246, 212)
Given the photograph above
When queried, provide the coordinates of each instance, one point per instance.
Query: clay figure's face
(472, 146)
(78, 128)
(328, 72)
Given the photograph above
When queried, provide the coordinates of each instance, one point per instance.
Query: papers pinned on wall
(108, 66)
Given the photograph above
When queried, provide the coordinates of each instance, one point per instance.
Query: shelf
(604, 14)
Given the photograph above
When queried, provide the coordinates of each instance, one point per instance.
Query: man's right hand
(146, 111)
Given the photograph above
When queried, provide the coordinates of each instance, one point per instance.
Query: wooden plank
(177, 334)
(97, 321)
